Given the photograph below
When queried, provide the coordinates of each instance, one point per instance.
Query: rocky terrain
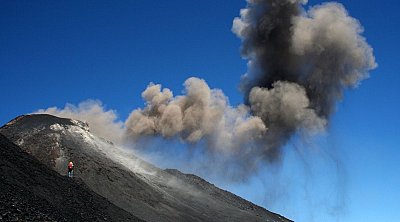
(31, 191)
(130, 183)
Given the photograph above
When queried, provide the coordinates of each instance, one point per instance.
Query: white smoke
(103, 123)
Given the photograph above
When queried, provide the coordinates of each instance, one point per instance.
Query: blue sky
(52, 53)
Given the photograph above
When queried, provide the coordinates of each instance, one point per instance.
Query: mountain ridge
(125, 180)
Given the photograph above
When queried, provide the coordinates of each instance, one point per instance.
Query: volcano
(130, 186)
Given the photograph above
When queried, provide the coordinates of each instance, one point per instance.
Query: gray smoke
(230, 136)
(200, 114)
(299, 63)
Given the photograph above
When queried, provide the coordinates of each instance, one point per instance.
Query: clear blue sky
(53, 52)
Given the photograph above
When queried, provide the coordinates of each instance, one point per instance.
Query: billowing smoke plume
(202, 114)
(299, 64)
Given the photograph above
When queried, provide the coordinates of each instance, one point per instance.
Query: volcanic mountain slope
(31, 191)
(125, 180)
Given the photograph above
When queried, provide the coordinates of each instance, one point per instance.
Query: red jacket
(70, 165)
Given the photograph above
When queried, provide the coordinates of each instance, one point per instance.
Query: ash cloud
(200, 115)
(299, 64)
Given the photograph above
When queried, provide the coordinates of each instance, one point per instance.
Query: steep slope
(31, 191)
(130, 183)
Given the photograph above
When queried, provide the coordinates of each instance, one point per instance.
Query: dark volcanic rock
(125, 180)
(30, 191)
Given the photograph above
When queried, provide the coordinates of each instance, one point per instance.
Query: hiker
(70, 169)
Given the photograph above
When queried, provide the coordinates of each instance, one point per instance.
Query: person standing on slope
(70, 169)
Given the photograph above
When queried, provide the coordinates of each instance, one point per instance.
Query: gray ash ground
(30, 191)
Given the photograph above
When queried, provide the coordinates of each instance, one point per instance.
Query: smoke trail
(299, 64)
